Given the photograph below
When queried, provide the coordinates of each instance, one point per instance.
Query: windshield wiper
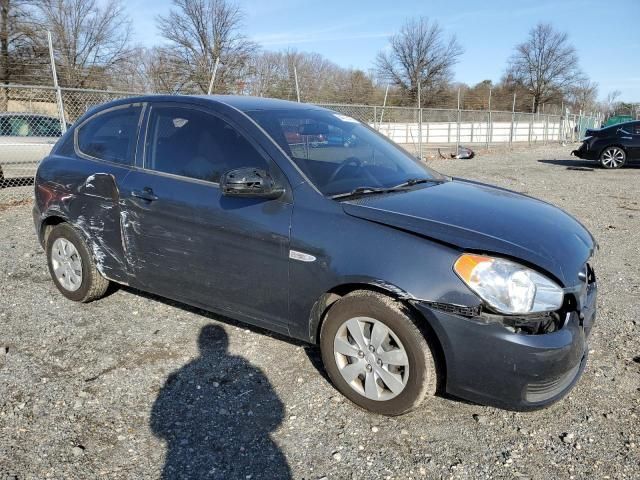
(415, 181)
(360, 191)
(371, 190)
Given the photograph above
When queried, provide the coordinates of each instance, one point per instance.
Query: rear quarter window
(110, 135)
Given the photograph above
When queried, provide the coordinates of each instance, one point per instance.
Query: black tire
(613, 157)
(93, 285)
(423, 376)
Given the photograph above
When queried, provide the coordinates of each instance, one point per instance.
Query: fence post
(375, 118)
(295, 75)
(458, 125)
(213, 76)
(63, 122)
(513, 117)
(419, 122)
(489, 125)
(384, 103)
(427, 140)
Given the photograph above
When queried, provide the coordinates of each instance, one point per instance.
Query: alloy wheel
(613, 157)
(67, 264)
(371, 358)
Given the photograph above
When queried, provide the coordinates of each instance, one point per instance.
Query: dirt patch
(176, 389)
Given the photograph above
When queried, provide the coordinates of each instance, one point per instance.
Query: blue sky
(606, 33)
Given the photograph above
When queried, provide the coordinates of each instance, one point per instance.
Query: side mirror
(249, 182)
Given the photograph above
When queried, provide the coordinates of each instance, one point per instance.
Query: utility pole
(63, 122)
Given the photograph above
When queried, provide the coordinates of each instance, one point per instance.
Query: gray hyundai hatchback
(309, 223)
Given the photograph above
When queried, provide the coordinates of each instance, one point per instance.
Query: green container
(616, 119)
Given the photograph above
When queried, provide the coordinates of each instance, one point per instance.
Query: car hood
(478, 217)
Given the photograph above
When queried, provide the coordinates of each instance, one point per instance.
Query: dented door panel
(192, 244)
(86, 194)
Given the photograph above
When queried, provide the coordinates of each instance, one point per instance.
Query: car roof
(247, 103)
(243, 103)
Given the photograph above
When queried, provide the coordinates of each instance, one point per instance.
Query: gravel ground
(133, 386)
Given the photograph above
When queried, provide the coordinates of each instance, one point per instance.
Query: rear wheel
(376, 355)
(72, 266)
(613, 157)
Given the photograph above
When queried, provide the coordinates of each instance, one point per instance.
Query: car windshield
(340, 154)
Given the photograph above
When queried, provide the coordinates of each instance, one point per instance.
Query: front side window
(339, 154)
(195, 144)
(111, 135)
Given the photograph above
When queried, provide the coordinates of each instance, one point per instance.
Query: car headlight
(508, 287)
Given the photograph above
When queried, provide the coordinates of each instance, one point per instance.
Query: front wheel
(613, 157)
(376, 355)
(72, 266)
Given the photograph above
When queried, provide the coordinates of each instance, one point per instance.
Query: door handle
(145, 194)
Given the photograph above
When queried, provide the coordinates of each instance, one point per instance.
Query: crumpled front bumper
(489, 364)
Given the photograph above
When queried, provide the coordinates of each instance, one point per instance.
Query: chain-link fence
(421, 130)
(32, 118)
(30, 124)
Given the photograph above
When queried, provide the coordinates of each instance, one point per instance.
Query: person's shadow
(216, 414)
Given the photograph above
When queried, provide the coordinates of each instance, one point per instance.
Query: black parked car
(410, 281)
(612, 146)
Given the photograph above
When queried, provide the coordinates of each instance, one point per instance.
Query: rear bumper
(489, 364)
(585, 152)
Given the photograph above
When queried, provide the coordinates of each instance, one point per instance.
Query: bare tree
(163, 72)
(201, 31)
(611, 100)
(583, 96)
(91, 39)
(272, 75)
(20, 60)
(546, 63)
(419, 54)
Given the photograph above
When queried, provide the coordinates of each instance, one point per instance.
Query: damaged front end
(517, 362)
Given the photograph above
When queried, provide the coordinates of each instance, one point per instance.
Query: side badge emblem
(303, 257)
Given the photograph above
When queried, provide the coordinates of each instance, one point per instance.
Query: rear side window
(111, 135)
(195, 144)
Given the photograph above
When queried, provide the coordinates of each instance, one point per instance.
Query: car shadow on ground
(216, 414)
(581, 165)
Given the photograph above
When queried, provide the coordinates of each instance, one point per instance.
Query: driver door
(187, 241)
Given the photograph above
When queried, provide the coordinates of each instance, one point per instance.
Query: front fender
(354, 251)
